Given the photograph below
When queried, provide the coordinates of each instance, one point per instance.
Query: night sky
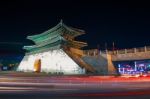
(127, 24)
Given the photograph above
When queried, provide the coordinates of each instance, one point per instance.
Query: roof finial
(61, 22)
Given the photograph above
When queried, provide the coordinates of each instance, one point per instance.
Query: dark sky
(127, 24)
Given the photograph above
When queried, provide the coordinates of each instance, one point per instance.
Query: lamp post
(119, 68)
(135, 68)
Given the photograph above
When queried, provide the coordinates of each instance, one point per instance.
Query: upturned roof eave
(59, 25)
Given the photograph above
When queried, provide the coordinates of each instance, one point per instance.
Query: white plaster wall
(51, 61)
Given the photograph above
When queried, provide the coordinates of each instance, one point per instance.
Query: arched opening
(37, 65)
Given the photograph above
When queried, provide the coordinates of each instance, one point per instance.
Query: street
(25, 85)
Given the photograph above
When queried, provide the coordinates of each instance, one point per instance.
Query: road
(41, 86)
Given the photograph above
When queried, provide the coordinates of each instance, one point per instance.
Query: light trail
(71, 85)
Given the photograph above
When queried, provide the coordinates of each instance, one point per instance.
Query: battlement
(140, 53)
(94, 52)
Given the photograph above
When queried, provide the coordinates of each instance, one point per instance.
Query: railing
(92, 52)
(95, 52)
(148, 48)
(130, 50)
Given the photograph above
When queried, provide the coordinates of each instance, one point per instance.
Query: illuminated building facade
(134, 67)
(55, 51)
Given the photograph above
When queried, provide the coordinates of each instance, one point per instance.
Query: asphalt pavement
(40, 86)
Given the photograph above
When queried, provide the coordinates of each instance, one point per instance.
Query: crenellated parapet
(140, 53)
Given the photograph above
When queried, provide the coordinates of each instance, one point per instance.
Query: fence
(95, 52)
